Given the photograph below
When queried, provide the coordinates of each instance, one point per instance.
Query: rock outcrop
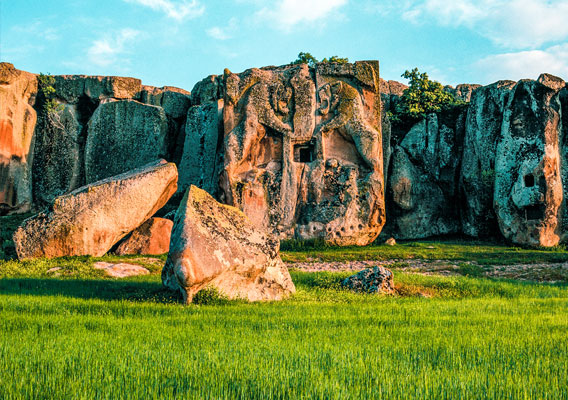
(424, 174)
(152, 237)
(139, 135)
(91, 219)
(477, 177)
(376, 280)
(528, 181)
(17, 123)
(303, 156)
(215, 245)
(304, 151)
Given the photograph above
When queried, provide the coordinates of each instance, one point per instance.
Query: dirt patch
(553, 272)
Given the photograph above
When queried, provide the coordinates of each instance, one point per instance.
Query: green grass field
(85, 336)
(76, 334)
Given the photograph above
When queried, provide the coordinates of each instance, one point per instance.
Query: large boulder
(17, 123)
(423, 182)
(528, 181)
(201, 161)
(124, 135)
(215, 245)
(152, 237)
(303, 150)
(91, 219)
(58, 155)
(477, 177)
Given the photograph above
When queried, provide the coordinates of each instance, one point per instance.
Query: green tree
(423, 96)
(51, 108)
(336, 59)
(307, 58)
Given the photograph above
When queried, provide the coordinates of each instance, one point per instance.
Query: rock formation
(91, 219)
(139, 135)
(17, 123)
(215, 245)
(477, 177)
(424, 174)
(303, 157)
(152, 237)
(304, 151)
(528, 182)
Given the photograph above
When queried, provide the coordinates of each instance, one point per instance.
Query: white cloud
(289, 13)
(179, 10)
(107, 50)
(526, 64)
(223, 33)
(509, 23)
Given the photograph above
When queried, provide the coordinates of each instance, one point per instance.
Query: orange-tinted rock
(91, 219)
(17, 124)
(152, 237)
(303, 150)
(215, 245)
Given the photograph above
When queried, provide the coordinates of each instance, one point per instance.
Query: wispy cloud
(179, 10)
(223, 33)
(289, 13)
(516, 24)
(107, 50)
(526, 64)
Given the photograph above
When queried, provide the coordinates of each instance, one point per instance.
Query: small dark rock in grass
(371, 280)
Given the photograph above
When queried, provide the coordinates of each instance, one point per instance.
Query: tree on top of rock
(307, 58)
(423, 96)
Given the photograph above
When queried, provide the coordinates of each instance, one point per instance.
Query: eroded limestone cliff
(304, 152)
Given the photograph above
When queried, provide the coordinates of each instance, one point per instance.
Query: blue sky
(179, 42)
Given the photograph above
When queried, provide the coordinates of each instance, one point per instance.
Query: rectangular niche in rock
(304, 152)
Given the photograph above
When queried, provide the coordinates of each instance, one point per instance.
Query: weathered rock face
(377, 280)
(528, 182)
(477, 180)
(463, 91)
(17, 122)
(214, 245)
(303, 157)
(91, 219)
(424, 174)
(201, 162)
(152, 237)
(139, 135)
(57, 164)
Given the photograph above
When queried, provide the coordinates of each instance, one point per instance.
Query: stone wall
(305, 152)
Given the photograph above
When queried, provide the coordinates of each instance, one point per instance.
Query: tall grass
(83, 337)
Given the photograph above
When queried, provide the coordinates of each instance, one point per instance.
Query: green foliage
(46, 84)
(307, 58)
(336, 59)
(423, 96)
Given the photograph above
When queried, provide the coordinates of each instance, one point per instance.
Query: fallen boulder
(152, 237)
(215, 245)
(91, 219)
(371, 280)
